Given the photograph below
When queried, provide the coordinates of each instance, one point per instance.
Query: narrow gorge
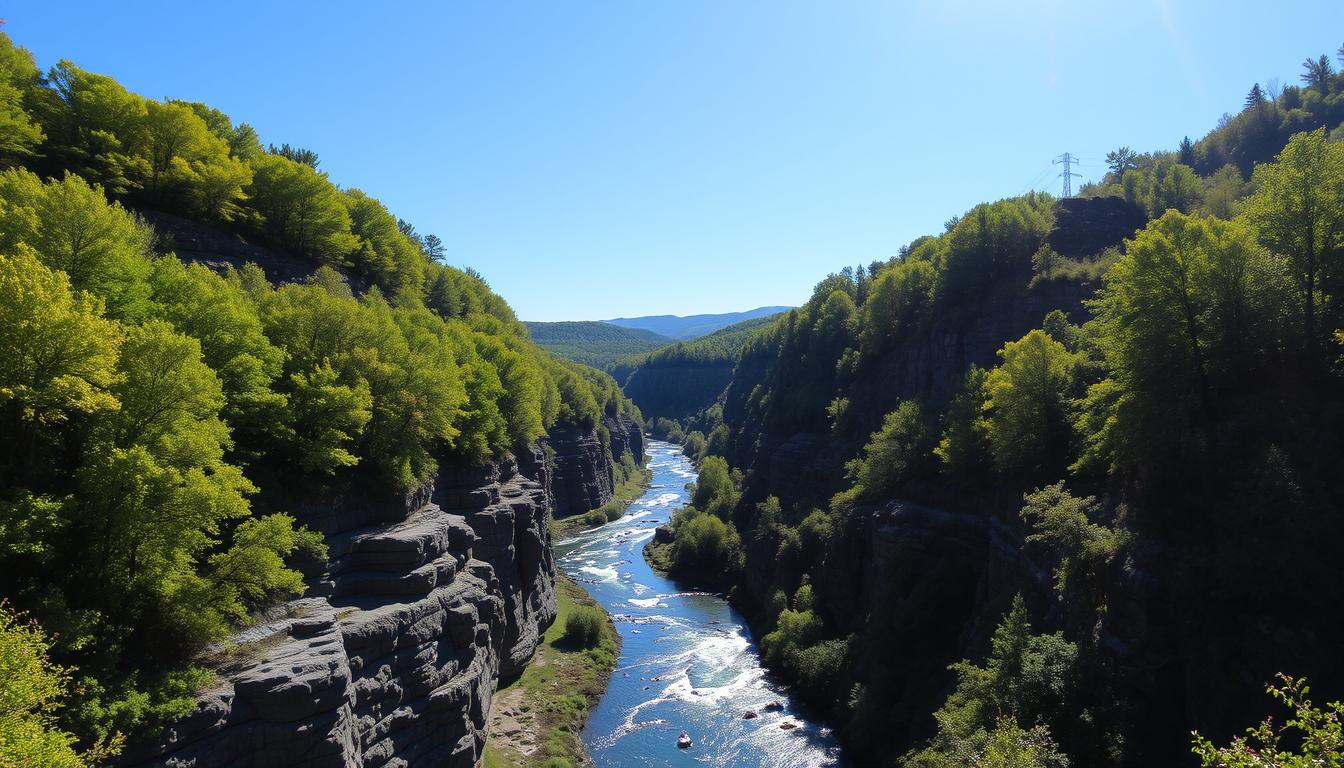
(426, 602)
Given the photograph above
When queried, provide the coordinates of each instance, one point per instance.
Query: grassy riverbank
(659, 557)
(536, 720)
(625, 494)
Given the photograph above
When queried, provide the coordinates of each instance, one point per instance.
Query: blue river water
(688, 661)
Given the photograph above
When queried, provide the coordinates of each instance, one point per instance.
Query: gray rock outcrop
(393, 657)
(626, 436)
(583, 471)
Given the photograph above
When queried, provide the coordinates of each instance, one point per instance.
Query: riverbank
(625, 494)
(658, 554)
(536, 720)
(687, 662)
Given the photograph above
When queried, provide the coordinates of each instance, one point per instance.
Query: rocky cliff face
(393, 657)
(626, 436)
(677, 390)
(921, 588)
(583, 471)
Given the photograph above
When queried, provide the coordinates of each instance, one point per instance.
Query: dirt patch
(512, 725)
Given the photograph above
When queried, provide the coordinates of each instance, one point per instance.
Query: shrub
(585, 626)
(1318, 731)
(705, 541)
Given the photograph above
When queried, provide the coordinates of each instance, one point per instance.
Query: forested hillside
(680, 380)
(693, 326)
(1051, 487)
(161, 417)
(594, 343)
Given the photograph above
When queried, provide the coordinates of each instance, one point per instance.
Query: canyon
(427, 600)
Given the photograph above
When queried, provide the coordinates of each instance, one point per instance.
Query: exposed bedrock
(392, 658)
(626, 436)
(583, 470)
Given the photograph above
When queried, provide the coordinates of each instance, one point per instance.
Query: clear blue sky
(602, 159)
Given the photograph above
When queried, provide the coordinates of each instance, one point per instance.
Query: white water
(688, 661)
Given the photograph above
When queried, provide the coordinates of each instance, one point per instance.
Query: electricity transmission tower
(1068, 174)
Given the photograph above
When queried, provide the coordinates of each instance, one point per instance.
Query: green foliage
(896, 453)
(594, 343)
(1223, 192)
(794, 630)
(1121, 160)
(1201, 401)
(686, 378)
(389, 257)
(695, 445)
(59, 353)
(706, 544)
(897, 304)
(1318, 731)
(585, 626)
(100, 246)
(1051, 267)
(1298, 213)
(796, 646)
(1027, 405)
(95, 128)
(964, 450)
(20, 134)
(252, 570)
(1162, 186)
(190, 164)
(1026, 679)
(1006, 746)
(1192, 303)
(32, 690)
(144, 401)
(989, 242)
(717, 488)
(219, 313)
(1065, 524)
(301, 209)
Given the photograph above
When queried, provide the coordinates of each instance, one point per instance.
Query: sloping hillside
(1067, 467)
(592, 342)
(682, 379)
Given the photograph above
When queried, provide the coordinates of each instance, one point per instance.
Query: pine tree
(1318, 73)
(1187, 152)
(1255, 98)
(434, 247)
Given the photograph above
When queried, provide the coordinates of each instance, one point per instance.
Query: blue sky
(602, 159)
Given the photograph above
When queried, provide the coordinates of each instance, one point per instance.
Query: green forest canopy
(152, 409)
(593, 342)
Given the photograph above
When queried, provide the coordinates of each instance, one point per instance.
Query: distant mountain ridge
(593, 342)
(692, 326)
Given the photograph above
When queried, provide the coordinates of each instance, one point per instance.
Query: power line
(1040, 177)
(1068, 160)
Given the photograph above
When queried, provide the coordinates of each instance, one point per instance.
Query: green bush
(1317, 730)
(705, 542)
(585, 626)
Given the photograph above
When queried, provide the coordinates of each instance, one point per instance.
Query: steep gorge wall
(798, 459)
(584, 466)
(920, 588)
(677, 390)
(392, 658)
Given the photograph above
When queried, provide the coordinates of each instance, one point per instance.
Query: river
(688, 661)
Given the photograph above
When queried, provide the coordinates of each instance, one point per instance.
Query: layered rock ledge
(393, 656)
